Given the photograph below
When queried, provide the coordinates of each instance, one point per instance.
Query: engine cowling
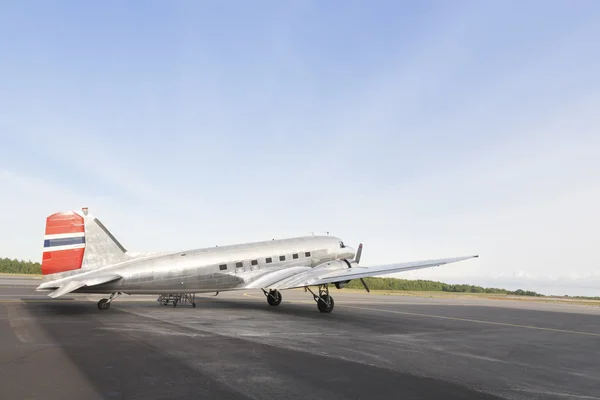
(337, 265)
(341, 284)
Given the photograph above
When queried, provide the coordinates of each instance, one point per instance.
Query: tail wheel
(325, 303)
(274, 298)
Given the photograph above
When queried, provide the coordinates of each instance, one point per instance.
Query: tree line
(14, 266)
(432, 286)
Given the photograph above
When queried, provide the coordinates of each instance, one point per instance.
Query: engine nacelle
(341, 284)
(337, 265)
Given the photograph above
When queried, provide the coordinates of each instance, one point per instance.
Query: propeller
(357, 260)
(358, 253)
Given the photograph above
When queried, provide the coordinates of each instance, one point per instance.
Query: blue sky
(424, 130)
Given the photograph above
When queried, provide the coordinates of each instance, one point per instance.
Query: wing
(63, 287)
(337, 271)
(268, 277)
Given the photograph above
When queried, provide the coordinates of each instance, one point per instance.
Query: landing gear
(324, 301)
(325, 305)
(273, 297)
(104, 304)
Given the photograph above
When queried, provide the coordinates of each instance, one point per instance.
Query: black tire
(103, 304)
(274, 298)
(322, 304)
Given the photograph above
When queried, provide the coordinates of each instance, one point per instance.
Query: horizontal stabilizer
(75, 284)
(66, 288)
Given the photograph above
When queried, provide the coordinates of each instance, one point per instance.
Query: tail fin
(75, 240)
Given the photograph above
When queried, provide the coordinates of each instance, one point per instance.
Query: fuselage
(220, 268)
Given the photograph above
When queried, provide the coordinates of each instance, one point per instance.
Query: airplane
(81, 256)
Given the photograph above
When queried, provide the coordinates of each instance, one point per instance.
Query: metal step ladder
(177, 298)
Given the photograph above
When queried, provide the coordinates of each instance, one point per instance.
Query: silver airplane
(82, 256)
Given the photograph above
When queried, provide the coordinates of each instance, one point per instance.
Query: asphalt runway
(235, 346)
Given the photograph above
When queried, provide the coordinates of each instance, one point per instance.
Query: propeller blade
(358, 253)
(365, 285)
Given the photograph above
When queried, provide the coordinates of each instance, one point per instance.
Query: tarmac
(236, 346)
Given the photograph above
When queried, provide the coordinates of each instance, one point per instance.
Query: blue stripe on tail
(64, 241)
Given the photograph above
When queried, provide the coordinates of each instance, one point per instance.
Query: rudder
(64, 243)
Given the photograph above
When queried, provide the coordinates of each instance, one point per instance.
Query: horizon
(423, 130)
(544, 286)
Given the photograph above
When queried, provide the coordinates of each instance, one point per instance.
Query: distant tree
(431, 286)
(14, 266)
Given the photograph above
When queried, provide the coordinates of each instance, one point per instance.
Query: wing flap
(318, 276)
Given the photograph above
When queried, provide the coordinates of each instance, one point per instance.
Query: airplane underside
(321, 296)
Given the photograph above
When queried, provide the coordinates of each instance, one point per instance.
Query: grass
(10, 274)
(490, 296)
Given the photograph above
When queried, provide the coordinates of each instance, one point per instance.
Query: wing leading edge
(335, 272)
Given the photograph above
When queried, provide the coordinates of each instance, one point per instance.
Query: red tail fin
(64, 243)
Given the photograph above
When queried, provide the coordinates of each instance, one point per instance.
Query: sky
(422, 129)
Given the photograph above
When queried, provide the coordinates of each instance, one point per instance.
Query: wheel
(103, 304)
(193, 305)
(274, 298)
(322, 303)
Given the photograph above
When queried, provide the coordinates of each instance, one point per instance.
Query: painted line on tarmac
(41, 301)
(477, 321)
(17, 287)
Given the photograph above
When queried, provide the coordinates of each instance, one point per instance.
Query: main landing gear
(324, 301)
(273, 297)
(104, 304)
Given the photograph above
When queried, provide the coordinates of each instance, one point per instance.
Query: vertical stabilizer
(76, 240)
(101, 247)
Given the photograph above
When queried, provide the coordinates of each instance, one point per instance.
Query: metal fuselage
(219, 268)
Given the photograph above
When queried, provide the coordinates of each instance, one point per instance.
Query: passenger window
(281, 258)
(307, 254)
(294, 256)
(239, 264)
(223, 267)
(268, 260)
(254, 262)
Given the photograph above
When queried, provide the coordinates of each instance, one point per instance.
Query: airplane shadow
(123, 355)
(294, 310)
(114, 363)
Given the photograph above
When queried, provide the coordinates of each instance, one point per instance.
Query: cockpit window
(342, 245)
